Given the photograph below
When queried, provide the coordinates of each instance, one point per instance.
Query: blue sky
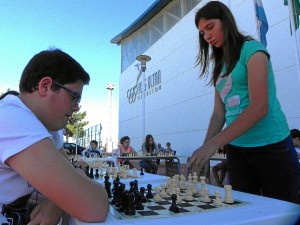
(81, 28)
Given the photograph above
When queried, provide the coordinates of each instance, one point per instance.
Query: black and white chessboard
(160, 209)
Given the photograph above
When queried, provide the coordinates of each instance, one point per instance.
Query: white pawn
(190, 178)
(217, 200)
(183, 184)
(157, 196)
(206, 197)
(134, 173)
(177, 192)
(228, 194)
(203, 185)
(189, 194)
(163, 193)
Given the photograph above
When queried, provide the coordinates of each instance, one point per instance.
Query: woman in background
(125, 149)
(149, 147)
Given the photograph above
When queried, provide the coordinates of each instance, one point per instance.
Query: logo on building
(152, 86)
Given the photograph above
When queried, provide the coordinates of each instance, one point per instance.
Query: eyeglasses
(76, 97)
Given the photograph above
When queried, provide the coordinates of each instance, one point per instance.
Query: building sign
(152, 85)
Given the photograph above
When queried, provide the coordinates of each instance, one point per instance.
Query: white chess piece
(177, 192)
(163, 193)
(189, 194)
(203, 185)
(228, 194)
(157, 196)
(217, 200)
(206, 197)
(134, 173)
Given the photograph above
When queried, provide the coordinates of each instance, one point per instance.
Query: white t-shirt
(58, 138)
(19, 129)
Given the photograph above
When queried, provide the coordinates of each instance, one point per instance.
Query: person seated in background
(50, 91)
(149, 147)
(222, 167)
(169, 149)
(125, 149)
(219, 170)
(295, 134)
(93, 150)
(159, 148)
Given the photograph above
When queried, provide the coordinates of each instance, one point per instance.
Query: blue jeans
(271, 170)
(149, 166)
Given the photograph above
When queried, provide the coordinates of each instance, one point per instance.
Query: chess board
(160, 209)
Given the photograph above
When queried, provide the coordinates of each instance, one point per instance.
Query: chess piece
(131, 206)
(174, 208)
(163, 193)
(189, 194)
(139, 201)
(179, 198)
(217, 200)
(157, 196)
(97, 174)
(203, 185)
(91, 174)
(149, 191)
(142, 172)
(134, 173)
(107, 185)
(228, 194)
(142, 190)
(206, 197)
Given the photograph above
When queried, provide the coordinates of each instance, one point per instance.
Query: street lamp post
(143, 59)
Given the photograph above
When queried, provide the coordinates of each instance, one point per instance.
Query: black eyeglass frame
(76, 96)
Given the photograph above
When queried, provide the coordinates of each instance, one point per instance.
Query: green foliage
(72, 124)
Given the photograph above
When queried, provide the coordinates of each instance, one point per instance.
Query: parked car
(72, 148)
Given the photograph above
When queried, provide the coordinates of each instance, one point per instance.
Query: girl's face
(212, 31)
(126, 143)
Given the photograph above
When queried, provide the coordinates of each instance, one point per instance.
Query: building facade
(175, 106)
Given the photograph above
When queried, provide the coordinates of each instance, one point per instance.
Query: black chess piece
(142, 172)
(87, 171)
(130, 211)
(91, 174)
(97, 174)
(135, 185)
(174, 208)
(142, 190)
(124, 201)
(149, 191)
(138, 201)
(107, 185)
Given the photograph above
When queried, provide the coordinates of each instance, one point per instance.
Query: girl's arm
(257, 68)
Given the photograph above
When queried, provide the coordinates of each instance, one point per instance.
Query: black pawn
(107, 185)
(139, 204)
(142, 172)
(131, 207)
(91, 175)
(143, 198)
(149, 191)
(97, 174)
(87, 170)
(174, 208)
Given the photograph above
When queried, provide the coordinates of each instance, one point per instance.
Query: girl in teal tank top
(247, 116)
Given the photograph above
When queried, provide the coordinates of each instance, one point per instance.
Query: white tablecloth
(259, 211)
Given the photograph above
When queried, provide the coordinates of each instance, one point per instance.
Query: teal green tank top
(233, 90)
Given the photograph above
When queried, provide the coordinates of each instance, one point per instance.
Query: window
(138, 42)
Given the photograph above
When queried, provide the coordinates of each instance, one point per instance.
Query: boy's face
(296, 142)
(93, 145)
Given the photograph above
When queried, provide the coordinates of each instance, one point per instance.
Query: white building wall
(180, 111)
